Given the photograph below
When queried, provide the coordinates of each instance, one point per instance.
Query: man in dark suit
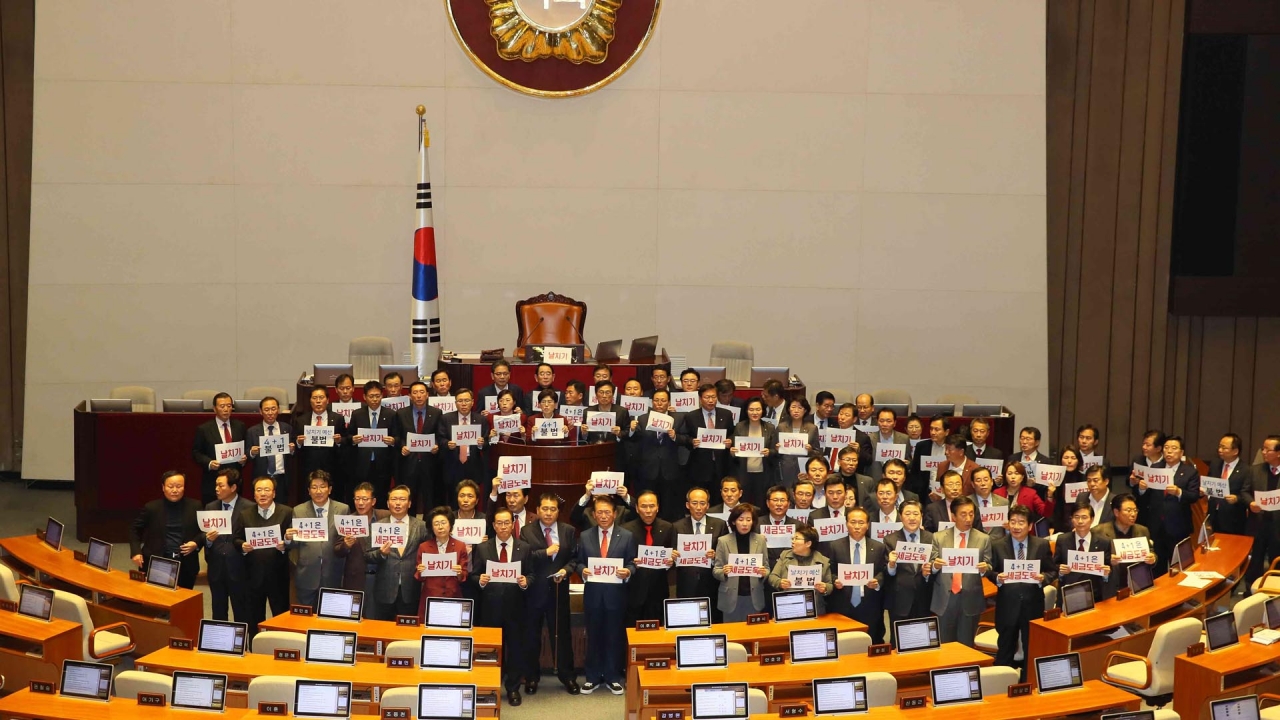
(658, 467)
(706, 465)
(1262, 477)
(845, 420)
(1228, 514)
(1082, 538)
(357, 574)
(1125, 526)
(605, 390)
(167, 527)
(648, 587)
(328, 459)
(226, 574)
(502, 603)
(604, 603)
(553, 546)
(462, 461)
(1170, 509)
(1018, 603)
(500, 374)
(222, 429)
(272, 466)
(838, 498)
(1099, 495)
(864, 604)
(860, 487)
(419, 470)
(980, 433)
(909, 589)
(939, 511)
(266, 568)
(693, 582)
(544, 379)
(373, 465)
(918, 478)
(396, 590)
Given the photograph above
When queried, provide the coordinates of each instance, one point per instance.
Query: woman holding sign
(539, 431)
(1069, 459)
(789, 465)
(1015, 488)
(755, 474)
(507, 408)
(436, 582)
(803, 554)
(740, 562)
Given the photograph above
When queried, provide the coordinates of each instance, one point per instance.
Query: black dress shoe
(513, 697)
(571, 687)
(531, 688)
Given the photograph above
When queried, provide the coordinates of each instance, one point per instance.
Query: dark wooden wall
(1117, 358)
(17, 68)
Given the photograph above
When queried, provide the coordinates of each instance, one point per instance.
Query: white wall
(223, 194)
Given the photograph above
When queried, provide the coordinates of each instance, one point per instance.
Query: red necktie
(984, 502)
(226, 432)
(1224, 471)
(955, 577)
(648, 534)
(546, 532)
(604, 543)
(419, 414)
(502, 556)
(319, 421)
(515, 520)
(1081, 544)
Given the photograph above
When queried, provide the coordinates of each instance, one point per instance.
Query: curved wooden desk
(1142, 614)
(154, 614)
(26, 705)
(1237, 670)
(32, 649)
(372, 636)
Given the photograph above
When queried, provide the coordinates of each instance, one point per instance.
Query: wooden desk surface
(740, 632)
(27, 705)
(29, 628)
(1224, 673)
(483, 637)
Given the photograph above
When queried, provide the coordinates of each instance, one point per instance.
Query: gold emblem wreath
(586, 41)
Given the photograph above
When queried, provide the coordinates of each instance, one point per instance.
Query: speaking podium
(561, 469)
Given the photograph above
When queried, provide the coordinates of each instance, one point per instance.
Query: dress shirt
(555, 536)
(958, 535)
(1076, 539)
(891, 517)
(319, 510)
(267, 512)
(778, 521)
(1098, 507)
(1229, 467)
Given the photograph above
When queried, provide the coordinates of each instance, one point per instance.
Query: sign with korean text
(960, 560)
(604, 482)
(310, 530)
(1021, 571)
(318, 436)
(793, 443)
(214, 520)
(465, 434)
(693, 550)
(470, 532)
(444, 403)
(395, 533)
(831, 529)
(229, 453)
(1088, 563)
(711, 439)
(263, 537)
(423, 442)
(851, 575)
(351, 525)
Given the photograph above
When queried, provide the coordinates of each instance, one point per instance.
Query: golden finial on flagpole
(422, 125)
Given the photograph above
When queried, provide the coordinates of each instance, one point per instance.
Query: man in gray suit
(395, 589)
(957, 597)
(314, 563)
(984, 498)
(273, 466)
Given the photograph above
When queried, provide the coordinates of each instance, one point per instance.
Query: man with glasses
(1124, 526)
(315, 564)
(604, 603)
(222, 429)
(500, 374)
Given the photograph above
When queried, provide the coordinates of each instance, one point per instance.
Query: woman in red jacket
(1015, 488)
(442, 544)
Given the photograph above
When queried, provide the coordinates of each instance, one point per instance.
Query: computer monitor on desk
(761, 375)
(181, 405)
(710, 373)
(327, 373)
(111, 405)
(446, 702)
(85, 680)
(609, 350)
(408, 373)
(321, 699)
(643, 348)
(899, 409)
(981, 410)
(935, 409)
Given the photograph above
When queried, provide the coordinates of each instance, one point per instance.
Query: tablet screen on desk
(701, 651)
(1058, 672)
(1273, 612)
(314, 698)
(220, 636)
(1221, 630)
(1184, 554)
(794, 605)
(88, 680)
(53, 534)
(36, 602)
(445, 652)
(99, 554)
(1239, 708)
(163, 572)
(714, 701)
(813, 645)
(955, 685)
(1077, 597)
(921, 634)
(448, 613)
(686, 612)
(839, 695)
(326, 646)
(446, 702)
(198, 691)
(339, 604)
(1141, 578)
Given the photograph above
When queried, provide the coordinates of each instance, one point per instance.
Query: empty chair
(205, 396)
(257, 392)
(957, 399)
(404, 648)
(996, 679)
(852, 643)
(757, 702)
(843, 396)
(366, 353)
(1270, 580)
(96, 643)
(735, 652)
(1251, 611)
(8, 585)
(277, 689)
(267, 642)
(1268, 709)
(129, 683)
(401, 697)
(892, 396)
(144, 398)
(1152, 676)
(882, 689)
(736, 357)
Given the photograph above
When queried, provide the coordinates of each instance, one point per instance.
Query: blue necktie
(857, 559)
(226, 507)
(373, 424)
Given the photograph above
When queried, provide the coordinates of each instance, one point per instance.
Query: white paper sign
(1089, 461)
(1268, 500)
(913, 553)
(1087, 563)
(659, 422)
(684, 401)
(465, 434)
(548, 429)
(1215, 487)
(470, 532)
(1159, 478)
(931, 464)
(506, 424)
(994, 516)
(420, 442)
(345, 409)
(749, 446)
(711, 439)
(1140, 471)
(799, 514)
(516, 472)
(777, 536)
(793, 443)
(557, 355)
(743, 565)
(211, 520)
(1049, 474)
(263, 537)
(491, 405)
(851, 575)
(395, 402)
(1021, 571)
(723, 516)
(1075, 490)
(601, 421)
(963, 561)
(229, 453)
(995, 467)
(653, 556)
(693, 550)
(736, 412)
(445, 403)
(502, 572)
(604, 482)
(310, 530)
(351, 525)
(1130, 549)
(803, 577)
(636, 406)
(830, 529)
(835, 437)
(604, 570)
(373, 437)
(318, 436)
(881, 530)
(273, 446)
(867, 426)
(436, 565)
(573, 414)
(395, 533)
(888, 451)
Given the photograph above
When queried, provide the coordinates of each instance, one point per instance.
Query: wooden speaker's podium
(561, 469)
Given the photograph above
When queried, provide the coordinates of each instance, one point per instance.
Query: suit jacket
(1095, 543)
(1013, 597)
(727, 597)
(328, 459)
(907, 580)
(621, 418)
(706, 467)
(917, 476)
(354, 565)
(395, 572)
(841, 601)
(416, 465)
(989, 452)
(477, 465)
(971, 598)
(657, 462)
(872, 504)
(148, 533)
(790, 466)
(996, 501)
(769, 466)
(966, 472)
(697, 581)
(649, 582)
(315, 564)
(1173, 513)
(265, 566)
(1119, 576)
(253, 438)
(377, 461)
(1107, 515)
(857, 488)
(501, 603)
(936, 512)
(542, 590)
(605, 596)
(223, 556)
(1224, 516)
(209, 434)
(491, 391)
(1259, 479)
(876, 468)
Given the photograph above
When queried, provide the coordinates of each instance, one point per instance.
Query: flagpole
(425, 330)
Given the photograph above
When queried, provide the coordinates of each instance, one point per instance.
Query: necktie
(226, 432)
(857, 559)
(464, 452)
(419, 415)
(711, 421)
(515, 521)
(502, 557)
(978, 452)
(271, 463)
(648, 534)
(955, 577)
(604, 543)
(1021, 552)
(546, 533)
(911, 537)
(226, 506)
(1225, 471)
(697, 527)
(984, 502)
(1081, 544)
(373, 419)
(319, 421)
(319, 512)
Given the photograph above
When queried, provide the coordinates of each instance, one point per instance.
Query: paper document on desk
(1195, 581)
